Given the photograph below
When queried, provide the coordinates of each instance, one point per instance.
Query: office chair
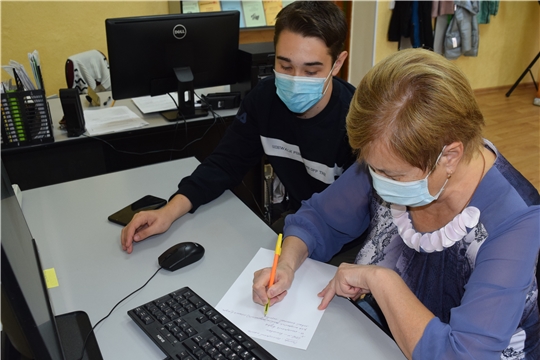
(89, 68)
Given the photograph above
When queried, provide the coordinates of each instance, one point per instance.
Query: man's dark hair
(321, 19)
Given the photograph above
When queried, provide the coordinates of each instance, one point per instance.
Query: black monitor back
(143, 51)
(28, 320)
(31, 326)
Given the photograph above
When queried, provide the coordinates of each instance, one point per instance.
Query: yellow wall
(507, 45)
(58, 30)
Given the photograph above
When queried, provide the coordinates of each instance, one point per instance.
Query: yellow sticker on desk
(50, 278)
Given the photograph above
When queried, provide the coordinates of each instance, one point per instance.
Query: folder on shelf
(234, 5)
(190, 6)
(271, 9)
(206, 6)
(254, 13)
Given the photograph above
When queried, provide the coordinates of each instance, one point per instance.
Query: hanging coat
(462, 35)
(412, 22)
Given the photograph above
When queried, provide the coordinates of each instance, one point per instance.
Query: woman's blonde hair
(414, 101)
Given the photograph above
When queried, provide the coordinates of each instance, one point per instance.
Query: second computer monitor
(155, 55)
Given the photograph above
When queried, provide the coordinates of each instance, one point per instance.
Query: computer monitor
(28, 320)
(160, 54)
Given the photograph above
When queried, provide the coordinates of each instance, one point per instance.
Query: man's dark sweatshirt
(307, 155)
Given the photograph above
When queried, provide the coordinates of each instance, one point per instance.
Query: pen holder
(26, 119)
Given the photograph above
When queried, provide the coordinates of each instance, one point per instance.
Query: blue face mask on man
(406, 193)
(300, 93)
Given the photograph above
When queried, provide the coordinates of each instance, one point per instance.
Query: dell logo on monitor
(179, 31)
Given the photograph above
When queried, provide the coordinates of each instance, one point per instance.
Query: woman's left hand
(350, 281)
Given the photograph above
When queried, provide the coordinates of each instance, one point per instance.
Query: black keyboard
(185, 327)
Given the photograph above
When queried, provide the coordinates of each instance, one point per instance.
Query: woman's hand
(293, 253)
(276, 293)
(406, 316)
(350, 281)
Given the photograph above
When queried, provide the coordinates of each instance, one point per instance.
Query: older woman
(454, 230)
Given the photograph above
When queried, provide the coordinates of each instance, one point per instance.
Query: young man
(296, 118)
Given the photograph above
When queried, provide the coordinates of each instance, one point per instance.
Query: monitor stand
(186, 109)
(174, 115)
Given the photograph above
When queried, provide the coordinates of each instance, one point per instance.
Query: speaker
(73, 112)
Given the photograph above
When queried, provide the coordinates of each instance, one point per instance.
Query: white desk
(69, 223)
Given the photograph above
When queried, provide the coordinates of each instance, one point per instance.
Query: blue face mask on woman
(300, 93)
(406, 193)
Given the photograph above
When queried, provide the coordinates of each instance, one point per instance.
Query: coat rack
(527, 70)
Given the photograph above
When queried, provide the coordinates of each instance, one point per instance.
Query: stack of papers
(111, 119)
(21, 77)
(19, 74)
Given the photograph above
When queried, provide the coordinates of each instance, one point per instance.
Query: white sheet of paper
(151, 104)
(291, 322)
(111, 119)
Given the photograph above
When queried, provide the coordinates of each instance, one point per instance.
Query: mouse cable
(203, 102)
(208, 107)
(179, 113)
(110, 312)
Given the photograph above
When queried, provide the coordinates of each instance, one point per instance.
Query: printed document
(291, 322)
(111, 119)
(151, 104)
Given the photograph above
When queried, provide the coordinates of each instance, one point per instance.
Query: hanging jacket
(462, 35)
(442, 7)
(412, 19)
(88, 69)
(487, 8)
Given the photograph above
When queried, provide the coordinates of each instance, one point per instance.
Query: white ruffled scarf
(440, 239)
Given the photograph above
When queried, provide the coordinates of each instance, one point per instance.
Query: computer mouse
(181, 255)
